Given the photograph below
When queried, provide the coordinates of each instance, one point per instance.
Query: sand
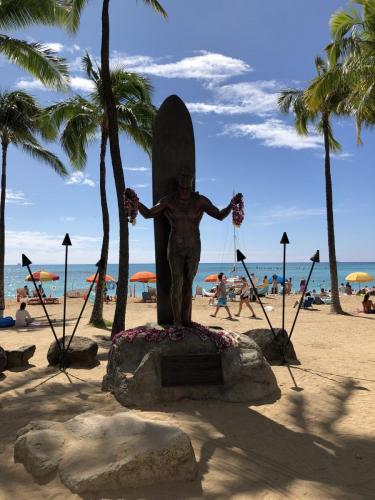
(317, 441)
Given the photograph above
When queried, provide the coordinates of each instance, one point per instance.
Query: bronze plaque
(191, 369)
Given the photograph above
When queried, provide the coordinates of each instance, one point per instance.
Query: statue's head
(185, 184)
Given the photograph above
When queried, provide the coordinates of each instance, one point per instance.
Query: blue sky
(227, 60)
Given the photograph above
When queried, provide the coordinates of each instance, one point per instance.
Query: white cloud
(16, 197)
(55, 46)
(66, 218)
(30, 85)
(84, 84)
(338, 156)
(76, 83)
(274, 133)
(80, 178)
(281, 214)
(137, 169)
(258, 97)
(42, 247)
(204, 66)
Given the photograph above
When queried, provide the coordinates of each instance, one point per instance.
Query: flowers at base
(238, 212)
(131, 203)
(221, 338)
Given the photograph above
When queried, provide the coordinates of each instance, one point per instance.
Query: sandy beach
(317, 441)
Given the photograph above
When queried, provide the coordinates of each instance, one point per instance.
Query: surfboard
(173, 149)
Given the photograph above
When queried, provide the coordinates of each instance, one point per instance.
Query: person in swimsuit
(245, 298)
(368, 305)
(222, 300)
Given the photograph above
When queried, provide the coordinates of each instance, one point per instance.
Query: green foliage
(82, 117)
(21, 124)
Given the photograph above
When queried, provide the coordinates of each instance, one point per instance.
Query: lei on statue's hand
(131, 203)
(238, 212)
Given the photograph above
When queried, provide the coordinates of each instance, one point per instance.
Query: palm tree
(353, 53)
(75, 8)
(82, 117)
(113, 133)
(320, 116)
(20, 126)
(34, 57)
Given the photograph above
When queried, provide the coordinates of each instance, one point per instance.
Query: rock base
(92, 452)
(17, 358)
(274, 349)
(82, 352)
(3, 359)
(134, 372)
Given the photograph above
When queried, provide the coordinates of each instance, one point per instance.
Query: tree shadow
(262, 454)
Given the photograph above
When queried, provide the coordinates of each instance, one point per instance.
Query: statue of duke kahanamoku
(184, 210)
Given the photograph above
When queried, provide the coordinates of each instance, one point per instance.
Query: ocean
(77, 274)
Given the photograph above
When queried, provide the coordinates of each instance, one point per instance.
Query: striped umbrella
(107, 279)
(42, 276)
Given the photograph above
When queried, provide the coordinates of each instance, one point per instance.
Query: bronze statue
(184, 210)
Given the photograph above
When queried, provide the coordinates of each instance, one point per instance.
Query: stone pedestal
(137, 371)
(274, 349)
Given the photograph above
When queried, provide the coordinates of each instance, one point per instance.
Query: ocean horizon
(77, 274)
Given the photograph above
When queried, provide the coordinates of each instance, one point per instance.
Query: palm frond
(21, 13)
(36, 58)
(154, 4)
(35, 150)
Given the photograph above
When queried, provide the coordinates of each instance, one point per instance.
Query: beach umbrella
(91, 278)
(211, 278)
(359, 277)
(42, 276)
(279, 279)
(143, 277)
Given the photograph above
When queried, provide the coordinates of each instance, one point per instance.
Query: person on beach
(368, 305)
(275, 285)
(23, 317)
(348, 289)
(27, 291)
(289, 286)
(41, 291)
(245, 298)
(302, 285)
(266, 282)
(254, 279)
(221, 293)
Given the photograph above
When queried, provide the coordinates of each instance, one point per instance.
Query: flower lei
(238, 212)
(222, 338)
(131, 203)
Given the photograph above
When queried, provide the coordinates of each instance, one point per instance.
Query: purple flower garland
(131, 203)
(238, 213)
(222, 338)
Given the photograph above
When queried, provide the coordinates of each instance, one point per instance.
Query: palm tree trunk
(4, 144)
(97, 312)
(123, 271)
(335, 304)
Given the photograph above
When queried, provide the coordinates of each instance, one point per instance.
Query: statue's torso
(184, 217)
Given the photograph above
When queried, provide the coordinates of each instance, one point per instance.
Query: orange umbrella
(211, 278)
(91, 278)
(144, 277)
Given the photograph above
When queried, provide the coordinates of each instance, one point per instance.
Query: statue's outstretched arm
(155, 211)
(215, 212)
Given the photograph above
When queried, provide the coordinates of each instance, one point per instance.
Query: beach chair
(146, 297)
(152, 291)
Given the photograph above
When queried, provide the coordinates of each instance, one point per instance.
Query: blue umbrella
(279, 279)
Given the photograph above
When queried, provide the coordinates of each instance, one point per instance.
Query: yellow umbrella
(359, 277)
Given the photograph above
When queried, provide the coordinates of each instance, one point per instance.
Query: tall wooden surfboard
(173, 150)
